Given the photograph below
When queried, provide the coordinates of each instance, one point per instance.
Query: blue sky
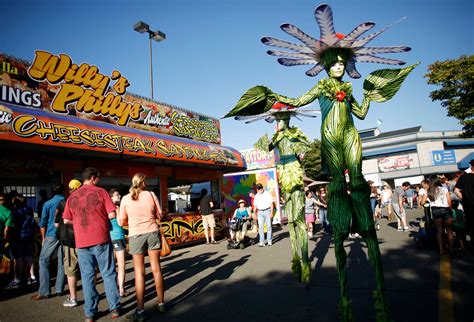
(213, 52)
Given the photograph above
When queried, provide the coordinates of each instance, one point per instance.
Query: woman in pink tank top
(141, 210)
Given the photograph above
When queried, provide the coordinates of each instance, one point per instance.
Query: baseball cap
(241, 201)
(74, 184)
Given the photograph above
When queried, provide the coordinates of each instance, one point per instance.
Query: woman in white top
(440, 201)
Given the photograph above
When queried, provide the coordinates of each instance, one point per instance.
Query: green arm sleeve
(303, 100)
(360, 111)
(380, 86)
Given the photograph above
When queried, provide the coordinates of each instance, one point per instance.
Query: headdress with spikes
(321, 53)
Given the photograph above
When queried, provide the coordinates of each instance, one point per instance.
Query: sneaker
(161, 307)
(32, 280)
(400, 229)
(115, 313)
(12, 285)
(136, 316)
(407, 229)
(70, 302)
(310, 234)
(261, 244)
(269, 243)
(377, 226)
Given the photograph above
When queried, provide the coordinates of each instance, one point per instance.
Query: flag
(379, 121)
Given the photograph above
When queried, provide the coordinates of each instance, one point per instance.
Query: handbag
(165, 247)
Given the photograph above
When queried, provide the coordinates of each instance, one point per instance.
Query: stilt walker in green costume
(340, 142)
(291, 144)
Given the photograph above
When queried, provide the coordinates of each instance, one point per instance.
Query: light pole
(157, 35)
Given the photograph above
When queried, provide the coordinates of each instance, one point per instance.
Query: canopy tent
(464, 163)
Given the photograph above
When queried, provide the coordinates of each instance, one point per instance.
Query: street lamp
(157, 35)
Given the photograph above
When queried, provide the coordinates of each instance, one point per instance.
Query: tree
(456, 78)
(312, 160)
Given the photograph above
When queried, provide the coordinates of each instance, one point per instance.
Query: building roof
(389, 134)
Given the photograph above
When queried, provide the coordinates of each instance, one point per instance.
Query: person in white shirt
(263, 208)
(386, 196)
(441, 211)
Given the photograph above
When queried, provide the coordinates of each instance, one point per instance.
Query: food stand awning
(51, 130)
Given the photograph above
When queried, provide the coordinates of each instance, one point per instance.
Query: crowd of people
(447, 203)
(86, 232)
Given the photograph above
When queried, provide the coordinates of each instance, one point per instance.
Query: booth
(261, 168)
(58, 117)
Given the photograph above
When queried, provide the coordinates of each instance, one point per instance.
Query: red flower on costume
(340, 95)
(281, 106)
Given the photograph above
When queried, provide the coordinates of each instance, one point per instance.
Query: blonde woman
(141, 210)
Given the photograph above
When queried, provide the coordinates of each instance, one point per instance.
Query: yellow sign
(84, 87)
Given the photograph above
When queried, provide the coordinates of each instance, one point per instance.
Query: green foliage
(312, 160)
(456, 78)
(263, 143)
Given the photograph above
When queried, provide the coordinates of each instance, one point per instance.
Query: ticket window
(184, 196)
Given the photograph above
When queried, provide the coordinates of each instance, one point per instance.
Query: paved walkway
(211, 283)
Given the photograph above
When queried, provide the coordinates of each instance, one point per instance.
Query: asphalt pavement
(211, 283)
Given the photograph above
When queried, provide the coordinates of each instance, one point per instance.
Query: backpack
(65, 232)
(29, 227)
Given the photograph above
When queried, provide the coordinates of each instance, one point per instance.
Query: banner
(56, 84)
(258, 159)
(443, 157)
(188, 228)
(21, 124)
(395, 163)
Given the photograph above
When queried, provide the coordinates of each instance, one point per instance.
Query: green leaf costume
(341, 148)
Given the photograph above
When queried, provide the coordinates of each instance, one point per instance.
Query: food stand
(58, 117)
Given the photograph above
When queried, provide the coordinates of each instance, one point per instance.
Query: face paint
(281, 125)
(337, 70)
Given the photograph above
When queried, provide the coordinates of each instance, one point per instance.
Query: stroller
(235, 227)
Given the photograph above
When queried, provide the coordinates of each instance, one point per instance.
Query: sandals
(124, 294)
(213, 242)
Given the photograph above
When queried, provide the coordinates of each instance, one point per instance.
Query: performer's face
(337, 69)
(281, 125)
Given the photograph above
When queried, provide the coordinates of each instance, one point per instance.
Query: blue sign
(443, 157)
